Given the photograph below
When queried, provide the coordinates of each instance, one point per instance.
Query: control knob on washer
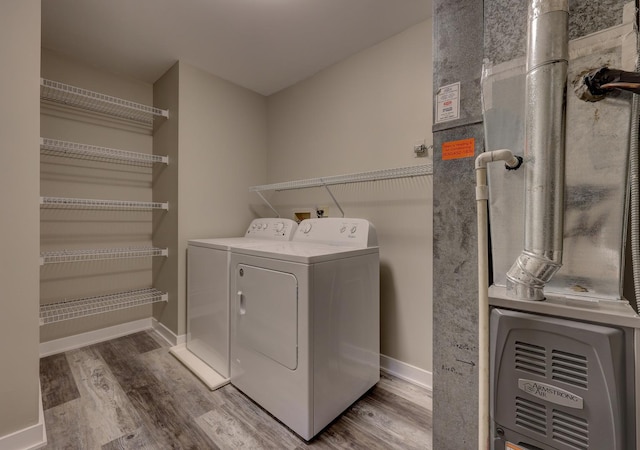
(306, 228)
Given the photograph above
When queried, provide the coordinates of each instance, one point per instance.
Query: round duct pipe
(546, 84)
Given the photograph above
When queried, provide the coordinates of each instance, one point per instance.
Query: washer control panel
(358, 233)
(272, 228)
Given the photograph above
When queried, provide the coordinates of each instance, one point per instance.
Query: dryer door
(267, 313)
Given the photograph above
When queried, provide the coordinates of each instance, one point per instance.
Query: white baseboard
(407, 372)
(168, 335)
(92, 337)
(397, 368)
(29, 438)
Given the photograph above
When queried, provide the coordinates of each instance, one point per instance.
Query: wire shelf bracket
(76, 150)
(375, 175)
(267, 203)
(72, 256)
(88, 203)
(83, 307)
(335, 201)
(101, 103)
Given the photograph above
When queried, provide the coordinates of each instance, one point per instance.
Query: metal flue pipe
(546, 83)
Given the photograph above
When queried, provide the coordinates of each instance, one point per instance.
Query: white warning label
(448, 103)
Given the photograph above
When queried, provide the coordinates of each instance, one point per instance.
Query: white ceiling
(263, 45)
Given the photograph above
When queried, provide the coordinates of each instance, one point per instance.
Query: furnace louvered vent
(570, 430)
(553, 380)
(531, 415)
(569, 368)
(530, 358)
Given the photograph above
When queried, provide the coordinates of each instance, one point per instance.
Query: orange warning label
(510, 446)
(464, 148)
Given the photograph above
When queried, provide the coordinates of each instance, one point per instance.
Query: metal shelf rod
(83, 307)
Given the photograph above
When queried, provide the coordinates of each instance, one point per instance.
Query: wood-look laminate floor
(130, 393)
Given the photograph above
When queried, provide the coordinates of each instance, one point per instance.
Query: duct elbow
(511, 161)
(530, 273)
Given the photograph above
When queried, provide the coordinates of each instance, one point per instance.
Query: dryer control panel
(358, 233)
(272, 229)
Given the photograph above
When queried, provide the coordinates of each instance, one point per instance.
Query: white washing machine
(305, 328)
(206, 351)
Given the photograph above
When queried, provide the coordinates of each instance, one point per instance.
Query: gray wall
(19, 222)
(165, 188)
(216, 139)
(464, 33)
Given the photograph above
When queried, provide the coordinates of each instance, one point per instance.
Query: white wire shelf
(94, 101)
(69, 256)
(83, 307)
(88, 203)
(375, 175)
(83, 151)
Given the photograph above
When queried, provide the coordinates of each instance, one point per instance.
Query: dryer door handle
(241, 303)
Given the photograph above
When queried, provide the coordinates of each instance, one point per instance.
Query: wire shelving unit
(360, 177)
(72, 256)
(62, 99)
(89, 203)
(375, 175)
(67, 149)
(101, 103)
(83, 307)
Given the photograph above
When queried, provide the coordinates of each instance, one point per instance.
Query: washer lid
(301, 252)
(224, 243)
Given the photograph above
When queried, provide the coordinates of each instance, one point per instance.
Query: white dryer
(206, 351)
(305, 322)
